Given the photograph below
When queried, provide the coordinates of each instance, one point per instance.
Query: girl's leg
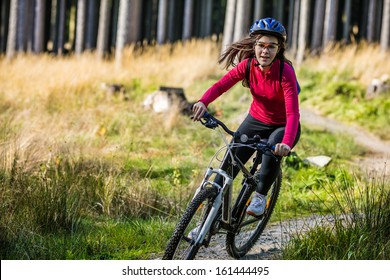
(270, 165)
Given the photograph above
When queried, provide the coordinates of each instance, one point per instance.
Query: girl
(274, 111)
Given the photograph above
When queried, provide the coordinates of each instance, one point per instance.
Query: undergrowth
(358, 226)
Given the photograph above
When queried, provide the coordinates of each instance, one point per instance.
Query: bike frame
(215, 197)
(224, 192)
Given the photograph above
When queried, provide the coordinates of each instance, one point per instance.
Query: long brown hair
(240, 50)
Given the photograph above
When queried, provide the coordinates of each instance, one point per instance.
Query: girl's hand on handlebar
(282, 149)
(198, 109)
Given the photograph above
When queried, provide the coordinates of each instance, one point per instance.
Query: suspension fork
(225, 190)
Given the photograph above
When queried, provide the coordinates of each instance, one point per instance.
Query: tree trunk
(330, 22)
(228, 30)
(206, 17)
(150, 10)
(378, 21)
(91, 24)
(363, 23)
(30, 25)
(54, 25)
(61, 27)
(114, 25)
(12, 29)
(290, 23)
(188, 19)
(294, 35)
(48, 25)
(21, 43)
(104, 24)
(347, 24)
(4, 17)
(121, 37)
(80, 25)
(162, 22)
(258, 10)
(385, 32)
(39, 26)
(303, 30)
(278, 10)
(241, 24)
(371, 21)
(134, 25)
(318, 28)
(172, 15)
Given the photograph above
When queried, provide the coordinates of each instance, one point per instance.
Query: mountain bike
(214, 211)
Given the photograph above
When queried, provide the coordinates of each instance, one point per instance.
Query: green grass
(97, 239)
(359, 229)
(341, 97)
(303, 184)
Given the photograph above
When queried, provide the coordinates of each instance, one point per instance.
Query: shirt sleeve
(290, 91)
(232, 77)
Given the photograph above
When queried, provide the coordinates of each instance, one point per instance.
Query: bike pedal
(256, 216)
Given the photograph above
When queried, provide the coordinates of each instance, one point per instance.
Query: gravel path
(270, 243)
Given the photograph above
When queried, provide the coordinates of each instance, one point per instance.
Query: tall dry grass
(350, 84)
(363, 61)
(178, 65)
(50, 104)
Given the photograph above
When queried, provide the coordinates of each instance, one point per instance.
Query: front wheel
(238, 243)
(181, 245)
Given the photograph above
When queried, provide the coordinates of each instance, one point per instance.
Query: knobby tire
(206, 196)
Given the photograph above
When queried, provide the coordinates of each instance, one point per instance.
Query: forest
(107, 26)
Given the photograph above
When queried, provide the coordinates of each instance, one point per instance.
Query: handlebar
(212, 122)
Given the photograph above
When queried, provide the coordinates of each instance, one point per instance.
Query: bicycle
(211, 211)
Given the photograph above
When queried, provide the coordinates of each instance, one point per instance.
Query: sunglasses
(272, 47)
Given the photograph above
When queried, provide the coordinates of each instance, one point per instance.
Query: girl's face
(266, 49)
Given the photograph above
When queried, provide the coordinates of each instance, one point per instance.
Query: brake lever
(268, 149)
(209, 123)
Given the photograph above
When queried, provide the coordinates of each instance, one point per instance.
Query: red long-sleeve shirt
(273, 103)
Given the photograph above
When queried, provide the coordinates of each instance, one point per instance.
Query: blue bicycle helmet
(268, 26)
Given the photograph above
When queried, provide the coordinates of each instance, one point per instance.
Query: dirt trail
(270, 243)
(276, 235)
(380, 150)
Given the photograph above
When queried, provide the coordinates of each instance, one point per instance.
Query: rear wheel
(238, 243)
(181, 245)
